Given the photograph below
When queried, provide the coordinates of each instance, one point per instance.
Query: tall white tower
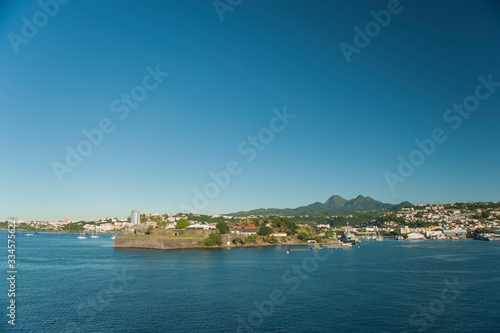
(135, 217)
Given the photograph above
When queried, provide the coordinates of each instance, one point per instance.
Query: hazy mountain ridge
(335, 205)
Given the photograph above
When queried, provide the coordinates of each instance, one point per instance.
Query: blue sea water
(68, 285)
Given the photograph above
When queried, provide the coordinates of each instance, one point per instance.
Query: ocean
(64, 284)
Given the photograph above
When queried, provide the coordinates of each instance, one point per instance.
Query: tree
(223, 227)
(265, 231)
(148, 230)
(273, 240)
(72, 227)
(182, 224)
(483, 231)
(214, 239)
(161, 224)
(303, 236)
(286, 225)
(251, 239)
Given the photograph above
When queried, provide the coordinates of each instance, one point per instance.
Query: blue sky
(225, 78)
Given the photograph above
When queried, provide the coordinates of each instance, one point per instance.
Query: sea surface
(68, 285)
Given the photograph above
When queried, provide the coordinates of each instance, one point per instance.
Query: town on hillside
(438, 222)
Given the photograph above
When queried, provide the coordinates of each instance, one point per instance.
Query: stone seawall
(186, 243)
(181, 232)
(159, 244)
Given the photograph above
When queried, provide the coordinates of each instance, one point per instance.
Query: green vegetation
(72, 227)
(273, 240)
(182, 224)
(265, 231)
(285, 225)
(481, 216)
(223, 227)
(483, 231)
(303, 236)
(214, 239)
(251, 239)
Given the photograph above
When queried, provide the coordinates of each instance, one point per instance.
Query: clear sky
(225, 77)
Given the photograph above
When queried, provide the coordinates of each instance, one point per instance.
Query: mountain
(335, 205)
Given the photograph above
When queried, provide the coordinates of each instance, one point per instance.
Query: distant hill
(335, 205)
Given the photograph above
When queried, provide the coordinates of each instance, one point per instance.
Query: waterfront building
(455, 232)
(433, 233)
(414, 235)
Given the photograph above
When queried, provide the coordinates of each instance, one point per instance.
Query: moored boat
(348, 237)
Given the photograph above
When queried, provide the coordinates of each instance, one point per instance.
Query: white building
(415, 235)
(106, 227)
(201, 226)
(434, 233)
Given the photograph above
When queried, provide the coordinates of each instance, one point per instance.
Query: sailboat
(379, 238)
(95, 235)
(82, 236)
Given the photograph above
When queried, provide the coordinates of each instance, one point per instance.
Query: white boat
(94, 235)
(379, 238)
(113, 237)
(82, 236)
(30, 235)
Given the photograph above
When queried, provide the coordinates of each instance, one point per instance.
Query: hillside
(335, 205)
